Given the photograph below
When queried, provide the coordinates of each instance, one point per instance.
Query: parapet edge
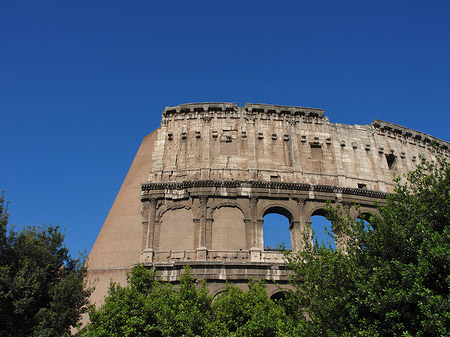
(253, 108)
(415, 135)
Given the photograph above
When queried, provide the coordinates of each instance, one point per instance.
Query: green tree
(146, 307)
(393, 279)
(42, 290)
(253, 313)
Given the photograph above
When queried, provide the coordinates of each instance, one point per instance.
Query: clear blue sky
(82, 82)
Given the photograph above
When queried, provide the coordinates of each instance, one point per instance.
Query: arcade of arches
(219, 228)
(220, 233)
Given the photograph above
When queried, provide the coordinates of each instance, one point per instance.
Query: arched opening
(278, 296)
(364, 218)
(322, 229)
(366, 230)
(218, 293)
(276, 232)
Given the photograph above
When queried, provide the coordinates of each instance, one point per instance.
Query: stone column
(298, 226)
(341, 238)
(255, 250)
(206, 148)
(294, 228)
(295, 151)
(253, 204)
(376, 160)
(251, 148)
(147, 252)
(309, 226)
(202, 250)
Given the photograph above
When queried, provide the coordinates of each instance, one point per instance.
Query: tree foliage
(146, 307)
(41, 287)
(393, 278)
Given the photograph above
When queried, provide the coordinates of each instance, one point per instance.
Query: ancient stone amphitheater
(200, 185)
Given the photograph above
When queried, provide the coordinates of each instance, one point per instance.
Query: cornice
(248, 108)
(256, 184)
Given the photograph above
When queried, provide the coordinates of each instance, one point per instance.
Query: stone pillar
(251, 149)
(147, 252)
(253, 204)
(341, 238)
(151, 222)
(202, 250)
(294, 228)
(295, 151)
(249, 235)
(377, 165)
(206, 148)
(309, 227)
(298, 226)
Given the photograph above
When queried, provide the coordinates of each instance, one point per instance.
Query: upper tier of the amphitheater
(262, 142)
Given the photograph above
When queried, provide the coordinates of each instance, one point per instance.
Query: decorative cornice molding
(248, 109)
(403, 132)
(164, 186)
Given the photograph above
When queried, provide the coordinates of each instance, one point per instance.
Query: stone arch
(318, 225)
(274, 291)
(367, 211)
(217, 292)
(317, 210)
(176, 230)
(161, 210)
(231, 204)
(277, 294)
(228, 229)
(281, 210)
(364, 215)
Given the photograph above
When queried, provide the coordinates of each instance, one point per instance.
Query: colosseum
(200, 185)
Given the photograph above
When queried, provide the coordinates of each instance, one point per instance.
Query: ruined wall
(276, 143)
(201, 184)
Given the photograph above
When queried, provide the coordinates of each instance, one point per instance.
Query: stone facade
(201, 184)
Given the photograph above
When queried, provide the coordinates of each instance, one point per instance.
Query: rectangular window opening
(316, 151)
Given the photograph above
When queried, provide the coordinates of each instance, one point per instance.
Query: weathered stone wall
(212, 171)
(275, 143)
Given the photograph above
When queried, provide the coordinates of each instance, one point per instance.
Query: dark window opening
(390, 158)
